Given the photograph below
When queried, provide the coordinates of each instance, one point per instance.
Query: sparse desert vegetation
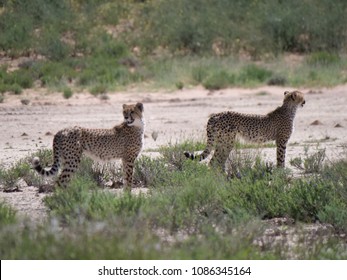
(184, 60)
(187, 205)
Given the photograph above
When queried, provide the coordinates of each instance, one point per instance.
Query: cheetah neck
(288, 110)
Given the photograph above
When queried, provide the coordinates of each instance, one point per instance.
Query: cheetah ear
(286, 92)
(124, 105)
(293, 96)
(139, 106)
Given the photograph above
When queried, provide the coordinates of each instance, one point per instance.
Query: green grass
(204, 213)
(215, 73)
(102, 71)
(7, 214)
(67, 93)
(111, 45)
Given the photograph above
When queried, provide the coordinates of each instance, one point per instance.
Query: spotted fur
(124, 141)
(277, 125)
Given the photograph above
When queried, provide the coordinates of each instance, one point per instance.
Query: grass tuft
(190, 211)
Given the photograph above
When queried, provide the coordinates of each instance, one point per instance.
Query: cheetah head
(295, 97)
(133, 114)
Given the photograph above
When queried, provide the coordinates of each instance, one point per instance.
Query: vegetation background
(102, 45)
(189, 211)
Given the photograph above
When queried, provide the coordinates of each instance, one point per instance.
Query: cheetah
(278, 125)
(124, 141)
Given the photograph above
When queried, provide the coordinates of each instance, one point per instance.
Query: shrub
(3, 88)
(179, 85)
(82, 201)
(191, 210)
(16, 35)
(199, 74)
(67, 93)
(311, 163)
(254, 73)
(21, 77)
(7, 215)
(277, 80)
(106, 46)
(218, 80)
(53, 47)
(149, 172)
(98, 89)
(53, 73)
(15, 88)
(322, 59)
(20, 170)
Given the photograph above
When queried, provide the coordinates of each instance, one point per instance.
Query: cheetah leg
(223, 148)
(69, 168)
(128, 170)
(221, 155)
(207, 150)
(281, 152)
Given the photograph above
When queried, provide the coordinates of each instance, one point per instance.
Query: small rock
(12, 189)
(175, 100)
(46, 188)
(314, 92)
(316, 122)
(104, 97)
(25, 101)
(155, 135)
(24, 134)
(21, 184)
(338, 125)
(147, 100)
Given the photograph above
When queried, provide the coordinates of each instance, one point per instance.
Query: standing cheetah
(277, 125)
(124, 141)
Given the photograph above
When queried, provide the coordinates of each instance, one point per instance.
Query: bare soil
(173, 116)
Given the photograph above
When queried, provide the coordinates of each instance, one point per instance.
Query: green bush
(191, 27)
(199, 74)
(16, 36)
(15, 89)
(81, 200)
(254, 73)
(67, 93)
(218, 80)
(98, 89)
(53, 73)
(277, 80)
(310, 163)
(149, 172)
(7, 215)
(23, 78)
(20, 170)
(190, 211)
(254, 27)
(322, 59)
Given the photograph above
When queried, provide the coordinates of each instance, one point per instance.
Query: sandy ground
(174, 116)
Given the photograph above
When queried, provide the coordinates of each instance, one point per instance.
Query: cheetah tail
(190, 155)
(201, 156)
(43, 171)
